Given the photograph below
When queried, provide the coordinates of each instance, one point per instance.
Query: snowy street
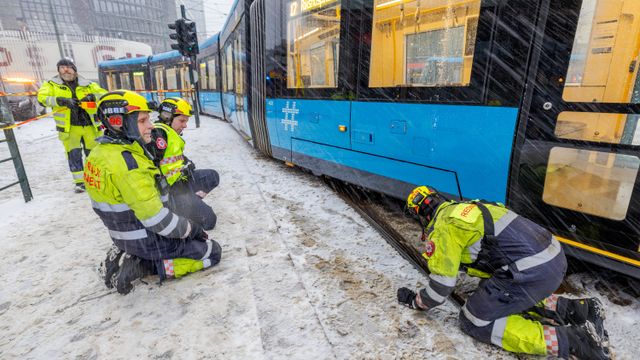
(302, 276)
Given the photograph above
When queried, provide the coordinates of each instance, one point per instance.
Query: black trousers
(184, 201)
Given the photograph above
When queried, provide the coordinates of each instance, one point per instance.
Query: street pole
(55, 27)
(195, 94)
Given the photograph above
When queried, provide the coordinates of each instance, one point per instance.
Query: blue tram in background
(530, 103)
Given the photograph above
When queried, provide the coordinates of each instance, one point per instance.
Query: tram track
(359, 201)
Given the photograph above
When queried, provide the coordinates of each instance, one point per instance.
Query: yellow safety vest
(172, 161)
(55, 87)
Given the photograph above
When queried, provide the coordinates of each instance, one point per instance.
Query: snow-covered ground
(302, 276)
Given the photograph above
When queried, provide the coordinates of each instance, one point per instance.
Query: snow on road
(302, 276)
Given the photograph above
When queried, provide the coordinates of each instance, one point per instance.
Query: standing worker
(72, 98)
(522, 265)
(121, 181)
(187, 186)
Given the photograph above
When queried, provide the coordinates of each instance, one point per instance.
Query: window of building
(419, 43)
(313, 35)
(592, 182)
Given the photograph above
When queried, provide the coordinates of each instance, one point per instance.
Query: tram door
(578, 154)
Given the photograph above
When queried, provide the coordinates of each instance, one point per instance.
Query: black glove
(68, 102)
(407, 298)
(89, 98)
(197, 233)
(187, 169)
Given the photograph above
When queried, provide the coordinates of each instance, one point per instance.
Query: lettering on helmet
(467, 210)
(166, 108)
(161, 143)
(114, 110)
(115, 120)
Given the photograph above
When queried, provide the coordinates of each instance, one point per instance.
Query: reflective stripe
(168, 267)
(188, 230)
(169, 228)
(58, 115)
(128, 235)
(172, 172)
(474, 320)
(171, 159)
(540, 258)
(206, 263)
(504, 221)
(444, 280)
(474, 250)
(164, 198)
(434, 295)
(51, 101)
(209, 247)
(77, 175)
(155, 219)
(106, 207)
(551, 340)
(498, 331)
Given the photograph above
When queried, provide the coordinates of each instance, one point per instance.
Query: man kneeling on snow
(121, 180)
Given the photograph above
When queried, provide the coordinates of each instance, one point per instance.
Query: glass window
(159, 80)
(313, 35)
(124, 81)
(600, 127)
(138, 80)
(204, 82)
(239, 66)
(172, 81)
(185, 81)
(604, 58)
(592, 182)
(212, 74)
(423, 43)
(228, 79)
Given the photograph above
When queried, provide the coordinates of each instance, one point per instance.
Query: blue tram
(530, 103)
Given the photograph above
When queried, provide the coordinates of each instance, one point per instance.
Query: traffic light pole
(195, 93)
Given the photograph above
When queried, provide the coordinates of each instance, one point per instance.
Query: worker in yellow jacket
(73, 100)
(121, 181)
(522, 265)
(187, 185)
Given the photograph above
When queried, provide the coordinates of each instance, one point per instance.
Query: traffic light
(186, 37)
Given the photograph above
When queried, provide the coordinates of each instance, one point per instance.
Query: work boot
(131, 268)
(79, 188)
(109, 267)
(578, 311)
(585, 344)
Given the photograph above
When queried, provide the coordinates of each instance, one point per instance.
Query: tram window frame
(212, 72)
(174, 78)
(140, 75)
(125, 76)
(475, 92)
(204, 77)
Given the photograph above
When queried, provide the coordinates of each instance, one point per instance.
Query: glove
(197, 233)
(68, 102)
(407, 298)
(89, 98)
(187, 169)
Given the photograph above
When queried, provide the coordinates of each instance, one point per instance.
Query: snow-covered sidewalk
(302, 276)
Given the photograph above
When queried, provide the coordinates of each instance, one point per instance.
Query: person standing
(67, 93)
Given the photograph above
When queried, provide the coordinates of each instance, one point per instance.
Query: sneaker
(109, 267)
(79, 188)
(585, 344)
(131, 268)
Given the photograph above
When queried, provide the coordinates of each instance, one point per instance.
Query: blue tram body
(496, 100)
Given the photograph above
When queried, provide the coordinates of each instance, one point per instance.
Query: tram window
(159, 85)
(138, 80)
(185, 81)
(228, 81)
(238, 65)
(111, 82)
(604, 59)
(172, 81)
(600, 127)
(313, 35)
(203, 81)
(124, 81)
(592, 182)
(419, 43)
(212, 74)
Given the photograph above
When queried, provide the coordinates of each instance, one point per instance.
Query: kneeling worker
(187, 186)
(121, 180)
(522, 263)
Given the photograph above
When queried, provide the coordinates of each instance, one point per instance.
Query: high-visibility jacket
(121, 182)
(456, 238)
(56, 87)
(170, 146)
